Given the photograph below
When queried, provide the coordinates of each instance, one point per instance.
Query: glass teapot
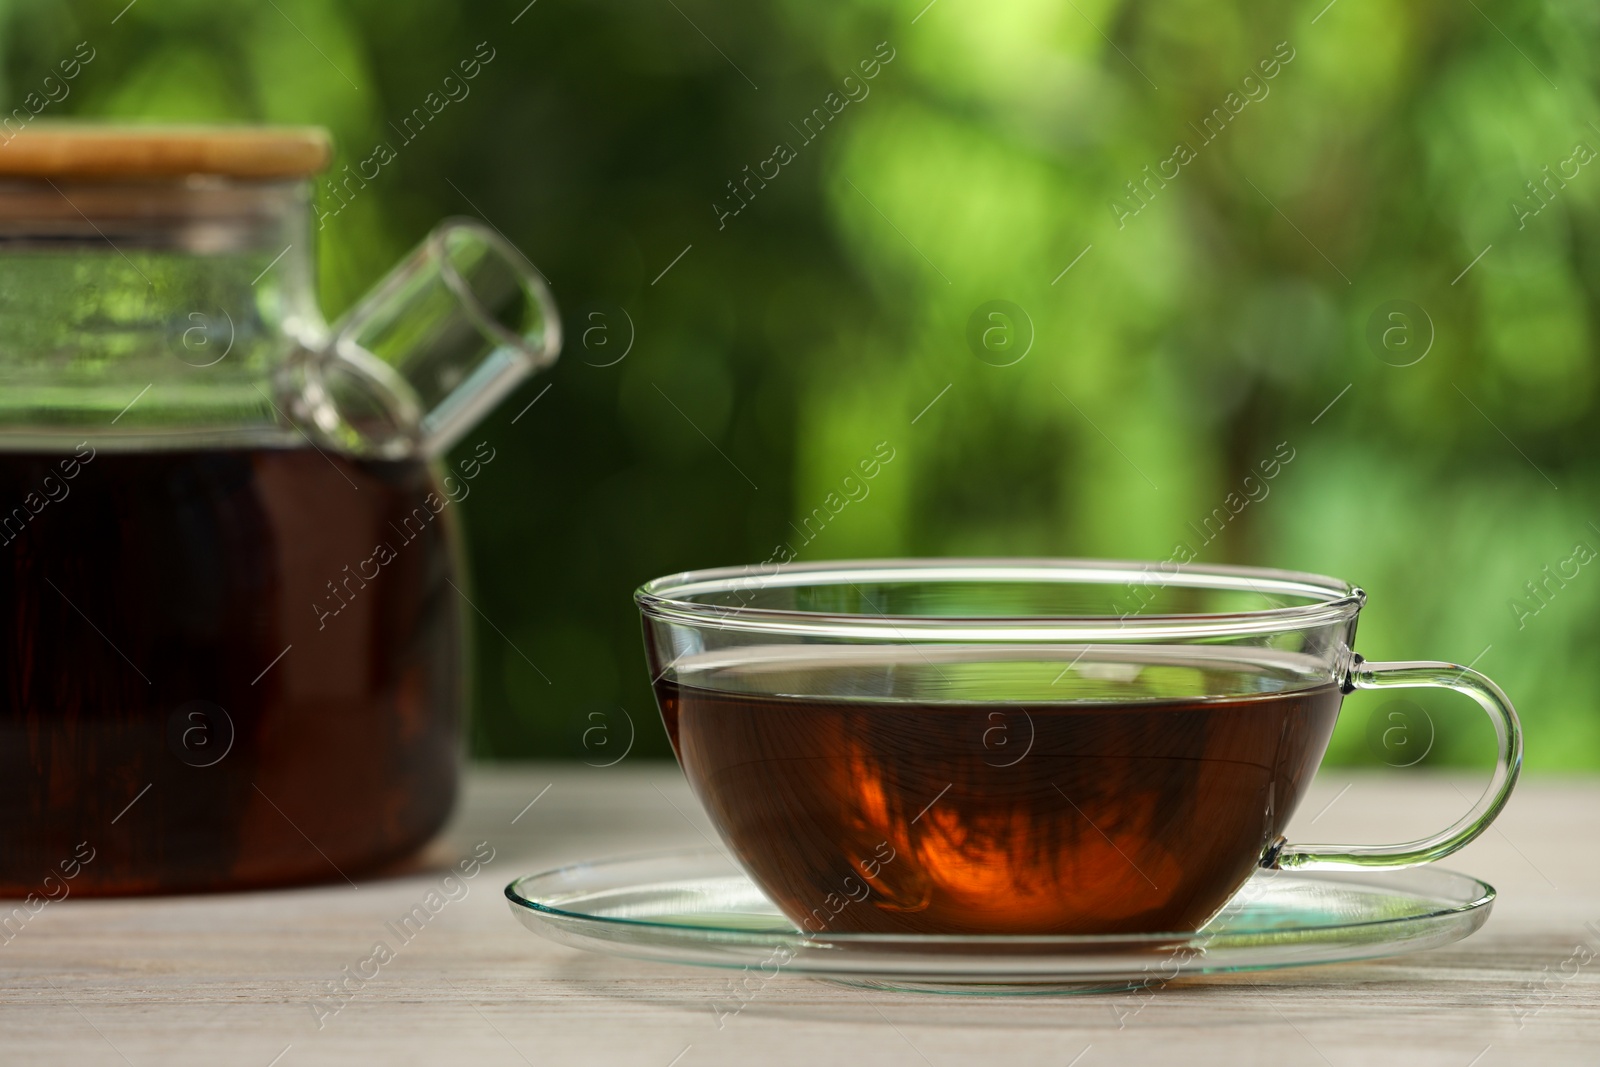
(234, 620)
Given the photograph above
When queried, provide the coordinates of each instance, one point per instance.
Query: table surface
(239, 978)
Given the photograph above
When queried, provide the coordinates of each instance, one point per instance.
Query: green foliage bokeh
(1206, 317)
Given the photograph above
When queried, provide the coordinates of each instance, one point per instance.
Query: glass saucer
(692, 907)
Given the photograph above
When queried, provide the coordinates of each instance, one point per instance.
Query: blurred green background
(1347, 263)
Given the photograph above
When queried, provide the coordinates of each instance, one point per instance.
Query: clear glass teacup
(1022, 746)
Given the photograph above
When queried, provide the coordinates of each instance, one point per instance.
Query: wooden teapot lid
(81, 150)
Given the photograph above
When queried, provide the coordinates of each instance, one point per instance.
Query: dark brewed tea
(221, 668)
(905, 801)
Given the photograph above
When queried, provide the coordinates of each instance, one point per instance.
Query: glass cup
(1022, 746)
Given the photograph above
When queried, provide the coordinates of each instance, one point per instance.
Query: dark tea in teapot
(231, 667)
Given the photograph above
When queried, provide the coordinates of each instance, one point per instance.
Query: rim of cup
(720, 597)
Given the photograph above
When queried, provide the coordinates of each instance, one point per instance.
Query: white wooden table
(245, 979)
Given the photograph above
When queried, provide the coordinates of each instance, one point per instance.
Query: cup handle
(1508, 764)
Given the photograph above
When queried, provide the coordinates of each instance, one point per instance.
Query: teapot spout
(441, 340)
